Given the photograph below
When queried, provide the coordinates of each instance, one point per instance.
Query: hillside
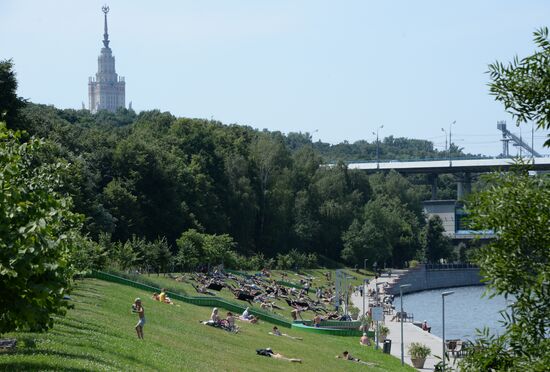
(98, 334)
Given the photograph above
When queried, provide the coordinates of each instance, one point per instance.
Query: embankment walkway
(411, 333)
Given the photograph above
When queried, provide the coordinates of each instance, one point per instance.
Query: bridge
(450, 165)
(463, 168)
(451, 211)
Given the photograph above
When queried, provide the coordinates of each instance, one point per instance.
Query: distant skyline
(337, 70)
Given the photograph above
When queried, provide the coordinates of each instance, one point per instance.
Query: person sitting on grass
(138, 308)
(317, 321)
(155, 297)
(276, 332)
(230, 322)
(214, 317)
(164, 298)
(269, 353)
(364, 340)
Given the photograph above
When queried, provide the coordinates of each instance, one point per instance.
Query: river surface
(465, 310)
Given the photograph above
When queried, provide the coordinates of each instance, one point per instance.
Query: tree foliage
(436, 245)
(517, 263)
(38, 234)
(523, 86)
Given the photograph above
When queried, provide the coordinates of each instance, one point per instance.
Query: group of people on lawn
(229, 324)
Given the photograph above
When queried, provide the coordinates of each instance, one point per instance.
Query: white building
(106, 91)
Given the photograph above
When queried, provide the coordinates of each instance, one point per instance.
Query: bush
(419, 351)
(296, 260)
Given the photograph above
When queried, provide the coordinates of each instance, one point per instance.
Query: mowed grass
(354, 279)
(98, 334)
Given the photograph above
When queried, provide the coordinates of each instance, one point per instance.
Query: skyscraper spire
(105, 10)
(106, 91)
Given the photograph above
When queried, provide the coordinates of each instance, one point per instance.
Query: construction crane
(508, 136)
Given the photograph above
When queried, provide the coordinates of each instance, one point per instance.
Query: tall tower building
(107, 90)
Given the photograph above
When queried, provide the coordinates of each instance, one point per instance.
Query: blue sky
(337, 69)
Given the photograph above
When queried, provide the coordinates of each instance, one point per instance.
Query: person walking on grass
(138, 308)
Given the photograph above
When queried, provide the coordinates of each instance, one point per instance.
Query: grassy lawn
(98, 334)
(318, 281)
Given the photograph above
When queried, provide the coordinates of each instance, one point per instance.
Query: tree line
(154, 176)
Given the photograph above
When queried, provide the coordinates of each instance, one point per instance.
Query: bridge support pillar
(432, 178)
(463, 185)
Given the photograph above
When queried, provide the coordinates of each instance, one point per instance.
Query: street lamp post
(377, 334)
(401, 316)
(377, 147)
(451, 142)
(443, 295)
(364, 295)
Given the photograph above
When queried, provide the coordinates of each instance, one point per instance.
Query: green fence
(329, 331)
(195, 300)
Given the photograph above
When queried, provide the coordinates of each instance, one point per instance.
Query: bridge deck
(450, 166)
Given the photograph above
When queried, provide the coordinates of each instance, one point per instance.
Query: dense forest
(151, 177)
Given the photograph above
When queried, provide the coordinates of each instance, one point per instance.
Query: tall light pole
(377, 147)
(377, 334)
(401, 316)
(451, 142)
(364, 285)
(443, 295)
(364, 295)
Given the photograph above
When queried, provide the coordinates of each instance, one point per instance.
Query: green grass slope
(98, 334)
(318, 281)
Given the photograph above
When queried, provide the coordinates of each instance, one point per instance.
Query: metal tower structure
(508, 136)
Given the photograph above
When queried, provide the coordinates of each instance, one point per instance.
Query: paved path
(411, 333)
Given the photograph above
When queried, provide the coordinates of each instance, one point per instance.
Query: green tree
(190, 249)
(38, 235)
(436, 246)
(516, 264)
(523, 86)
(164, 255)
(10, 104)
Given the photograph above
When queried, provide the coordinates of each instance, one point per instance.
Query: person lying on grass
(247, 317)
(269, 353)
(347, 356)
(276, 332)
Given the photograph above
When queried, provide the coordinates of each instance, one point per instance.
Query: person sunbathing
(317, 321)
(155, 296)
(276, 332)
(269, 353)
(247, 317)
(364, 340)
(214, 317)
(347, 356)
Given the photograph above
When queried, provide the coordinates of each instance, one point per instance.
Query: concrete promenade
(411, 333)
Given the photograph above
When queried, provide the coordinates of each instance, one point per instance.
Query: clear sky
(337, 69)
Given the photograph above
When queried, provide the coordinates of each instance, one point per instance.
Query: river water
(465, 310)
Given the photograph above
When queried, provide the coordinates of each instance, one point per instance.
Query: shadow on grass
(38, 366)
(20, 365)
